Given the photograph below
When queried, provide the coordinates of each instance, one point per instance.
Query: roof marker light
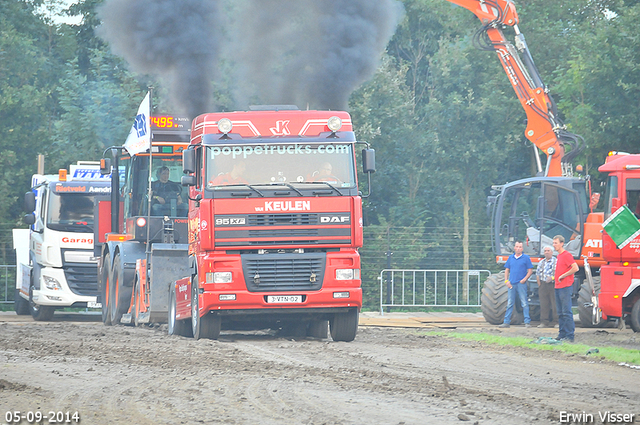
(225, 125)
(334, 124)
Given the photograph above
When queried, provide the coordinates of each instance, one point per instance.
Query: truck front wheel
(635, 316)
(40, 313)
(344, 326)
(176, 327)
(207, 326)
(20, 305)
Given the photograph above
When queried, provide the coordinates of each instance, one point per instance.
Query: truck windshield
(70, 212)
(282, 163)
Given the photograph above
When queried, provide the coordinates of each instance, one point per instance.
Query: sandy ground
(127, 375)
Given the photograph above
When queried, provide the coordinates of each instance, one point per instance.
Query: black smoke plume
(310, 53)
(176, 40)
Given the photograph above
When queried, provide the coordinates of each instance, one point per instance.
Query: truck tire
(494, 299)
(20, 305)
(585, 313)
(120, 295)
(344, 326)
(635, 316)
(40, 313)
(176, 327)
(207, 326)
(105, 280)
(318, 329)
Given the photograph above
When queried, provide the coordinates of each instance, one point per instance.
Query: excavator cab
(535, 210)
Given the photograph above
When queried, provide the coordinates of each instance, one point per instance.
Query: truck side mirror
(29, 202)
(29, 219)
(105, 166)
(188, 180)
(369, 160)
(189, 162)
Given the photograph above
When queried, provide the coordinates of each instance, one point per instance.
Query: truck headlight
(51, 283)
(219, 277)
(347, 274)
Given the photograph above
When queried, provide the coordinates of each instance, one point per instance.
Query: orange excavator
(555, 201)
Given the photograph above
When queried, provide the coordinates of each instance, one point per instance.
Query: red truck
(275, 223)
(619, 280)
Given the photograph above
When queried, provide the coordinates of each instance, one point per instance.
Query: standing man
(517, 270)
(566, 267)
(545, 274)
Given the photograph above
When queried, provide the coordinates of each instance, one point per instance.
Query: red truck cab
(275, 223)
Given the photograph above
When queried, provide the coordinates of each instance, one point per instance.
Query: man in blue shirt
(517, 270)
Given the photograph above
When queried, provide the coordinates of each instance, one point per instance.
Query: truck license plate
(93, 304)
(284, 299)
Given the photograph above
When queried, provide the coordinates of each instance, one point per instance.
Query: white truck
(56, 264)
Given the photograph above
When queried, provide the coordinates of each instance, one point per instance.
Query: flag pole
(149, 192)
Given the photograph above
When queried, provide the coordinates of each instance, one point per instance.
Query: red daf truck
(275, 223)
(618, 297)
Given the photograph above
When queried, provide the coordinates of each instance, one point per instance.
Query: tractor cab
(535, 210)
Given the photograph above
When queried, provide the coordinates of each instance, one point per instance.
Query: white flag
(139, 139)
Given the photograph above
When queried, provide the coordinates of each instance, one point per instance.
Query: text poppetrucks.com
(607, 417)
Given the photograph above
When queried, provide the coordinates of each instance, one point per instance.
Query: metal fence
(7, 283)
(431, 288)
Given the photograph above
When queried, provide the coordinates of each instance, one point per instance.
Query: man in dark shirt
(165, 194)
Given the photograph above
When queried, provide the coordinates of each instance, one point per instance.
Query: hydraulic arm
(544, 128)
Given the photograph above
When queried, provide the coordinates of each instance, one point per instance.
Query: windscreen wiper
(328, 184)
(250, 186)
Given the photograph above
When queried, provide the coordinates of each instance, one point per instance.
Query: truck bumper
(54, 290)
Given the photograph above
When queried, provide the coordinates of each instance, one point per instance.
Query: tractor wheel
(120, 295)
(635, 317)
(585, 313)
(207, 326)
(344, 326)
(20, 305)
(105, 281)
(494, 299)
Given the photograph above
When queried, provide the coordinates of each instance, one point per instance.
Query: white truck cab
(59, 269)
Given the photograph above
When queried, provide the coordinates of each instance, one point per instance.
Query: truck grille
(236, 230)
(82, 279)
(282, 219)
(283, 272)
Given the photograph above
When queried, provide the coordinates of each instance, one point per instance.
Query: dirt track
(125, 375)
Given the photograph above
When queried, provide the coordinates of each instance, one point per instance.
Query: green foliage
(615, 354)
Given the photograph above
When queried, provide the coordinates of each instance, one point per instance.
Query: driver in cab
(325, 174)
(164, 192)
